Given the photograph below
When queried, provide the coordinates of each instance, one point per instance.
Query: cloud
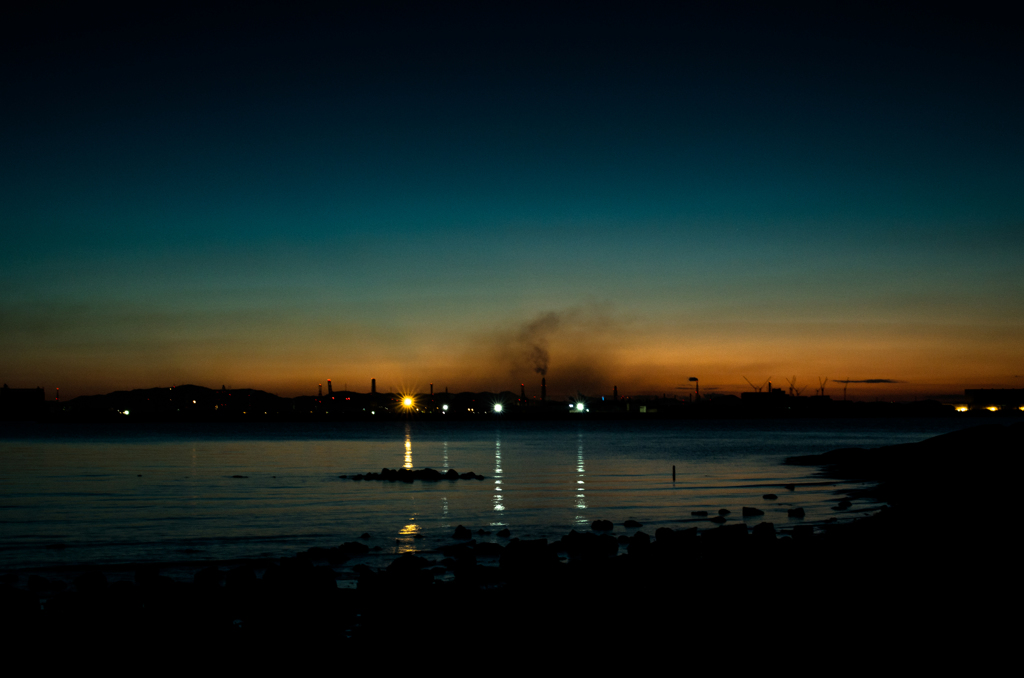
(868, 381)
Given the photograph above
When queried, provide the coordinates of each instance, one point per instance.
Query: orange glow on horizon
(910, 361)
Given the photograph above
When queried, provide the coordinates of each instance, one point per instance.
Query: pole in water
(673, 473)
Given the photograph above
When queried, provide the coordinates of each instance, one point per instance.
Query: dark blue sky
(271, 199)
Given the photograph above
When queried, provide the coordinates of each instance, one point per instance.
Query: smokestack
(373, 387)
(330, 390)
(522, 394)
(615, 392)
(431, 389)
(319, 390)
(543, 389)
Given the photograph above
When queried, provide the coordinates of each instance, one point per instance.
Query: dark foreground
(926, 562)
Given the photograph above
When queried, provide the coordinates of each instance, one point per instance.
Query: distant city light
(407, 402)
(580, 406)
(444, 407)
(992, 408)
(497, 407)
(962, 408)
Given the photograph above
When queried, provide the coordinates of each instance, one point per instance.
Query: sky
(269, 198)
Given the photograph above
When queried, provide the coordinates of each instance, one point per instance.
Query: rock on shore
(408, 475)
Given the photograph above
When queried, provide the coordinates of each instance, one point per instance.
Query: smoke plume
(532, 341)
(576, 349)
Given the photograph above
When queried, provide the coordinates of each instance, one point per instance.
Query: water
(150, 493)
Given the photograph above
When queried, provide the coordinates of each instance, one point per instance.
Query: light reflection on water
(408, 447)
(407, 536)
(149, 494)
(581, 498)
(445, 522)
(499, 505)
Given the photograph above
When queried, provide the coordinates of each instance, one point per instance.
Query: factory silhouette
(198, 403)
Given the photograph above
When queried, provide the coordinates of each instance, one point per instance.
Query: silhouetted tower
(543, 389)
(58, 394)
(431, 389)
(330, 391)
(615, 392)
(522, 394)
(373, 387)
(319, 390)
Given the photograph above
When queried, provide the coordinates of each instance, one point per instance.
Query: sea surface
(78, 495)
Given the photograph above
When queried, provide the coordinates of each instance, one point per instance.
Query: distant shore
(889, 563)
(190, 403)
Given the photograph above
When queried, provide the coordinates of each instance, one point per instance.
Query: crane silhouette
(793, 390)
(757, 388)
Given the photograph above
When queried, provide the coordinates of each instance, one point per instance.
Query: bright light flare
(580, 406)
(498, 407)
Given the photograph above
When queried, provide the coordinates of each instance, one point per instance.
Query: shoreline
(702, 521)
(892, 558)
